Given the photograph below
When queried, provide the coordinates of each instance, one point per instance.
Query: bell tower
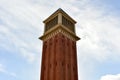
(59, 56)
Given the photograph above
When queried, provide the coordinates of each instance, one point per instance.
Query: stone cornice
(56, 13)
(59, 29)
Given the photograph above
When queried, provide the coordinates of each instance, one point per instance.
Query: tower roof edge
(56, 13)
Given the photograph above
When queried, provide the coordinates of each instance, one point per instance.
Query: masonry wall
(59, 59)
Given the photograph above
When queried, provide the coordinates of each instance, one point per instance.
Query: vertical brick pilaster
(43, 61)
(55, 43)
(72, 63)
(63, 57)
(69, 59)
(75, 62)
(66, 60)
(57, 61)
(51, 64)
(46, 62)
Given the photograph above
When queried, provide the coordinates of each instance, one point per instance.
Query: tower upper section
(59, 21)
(60, 17)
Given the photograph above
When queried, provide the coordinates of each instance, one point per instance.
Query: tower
(59, 56)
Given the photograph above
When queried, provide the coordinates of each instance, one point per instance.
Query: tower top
(59, 22)
(56, 13)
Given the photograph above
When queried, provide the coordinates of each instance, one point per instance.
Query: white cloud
(111, 77)
(27, 54)
(99, 32)
(20, 28)
(1, 68)
(4, 70)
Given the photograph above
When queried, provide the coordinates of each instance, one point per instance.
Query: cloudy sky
(98, 25)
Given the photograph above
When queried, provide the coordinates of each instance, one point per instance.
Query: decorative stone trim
(59, 29)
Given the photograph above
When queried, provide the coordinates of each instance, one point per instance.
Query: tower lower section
(59, 59)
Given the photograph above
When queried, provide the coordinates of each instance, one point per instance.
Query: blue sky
(97, 24)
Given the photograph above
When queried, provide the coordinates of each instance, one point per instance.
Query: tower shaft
(59, 59)
(59, 56)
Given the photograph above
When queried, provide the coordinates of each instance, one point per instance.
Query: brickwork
(59, 61)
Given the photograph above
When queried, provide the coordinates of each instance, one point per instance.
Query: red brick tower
(59, 56)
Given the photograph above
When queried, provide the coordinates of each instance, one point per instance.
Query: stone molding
(59, 29)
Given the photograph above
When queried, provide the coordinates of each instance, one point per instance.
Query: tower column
(59, 56)
(51, 64)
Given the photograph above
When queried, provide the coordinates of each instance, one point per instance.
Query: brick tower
(59, 56)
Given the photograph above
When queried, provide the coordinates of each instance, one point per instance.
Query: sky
(98, 26)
